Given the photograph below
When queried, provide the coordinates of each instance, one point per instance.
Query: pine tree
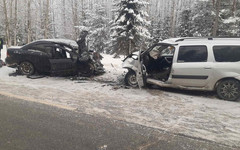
(184, 28)
(202, 19)
(99, 30)
(229, 18)
(165, 32)
(129, 31)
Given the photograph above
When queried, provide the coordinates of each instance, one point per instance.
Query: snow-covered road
(197, 116)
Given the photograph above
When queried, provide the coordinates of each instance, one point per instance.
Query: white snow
(194, 115)
(130, 11)
(3, 53)
(122, 18)
(231, 20)
(67, 41)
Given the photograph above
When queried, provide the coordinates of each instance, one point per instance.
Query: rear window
(226, 53)
(192, 54)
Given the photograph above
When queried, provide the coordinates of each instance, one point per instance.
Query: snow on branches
(129, 30)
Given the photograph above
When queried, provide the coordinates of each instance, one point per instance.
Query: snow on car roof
(16, 47)
(202, 40)
(65, 41)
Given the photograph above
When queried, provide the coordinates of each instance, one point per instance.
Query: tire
(26, 68)
(131, 79)
(87, 70)
(229, 90)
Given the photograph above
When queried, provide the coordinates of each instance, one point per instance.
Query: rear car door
(191, 67)
(61, 62)
(38, 55)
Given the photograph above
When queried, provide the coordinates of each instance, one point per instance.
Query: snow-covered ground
(198, 116)
(3, 53)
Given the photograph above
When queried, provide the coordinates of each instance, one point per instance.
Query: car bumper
(10, 63)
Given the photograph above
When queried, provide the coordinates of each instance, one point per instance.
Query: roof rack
(207, 38)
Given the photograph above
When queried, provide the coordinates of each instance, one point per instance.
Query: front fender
(130, 63)
(238, 78)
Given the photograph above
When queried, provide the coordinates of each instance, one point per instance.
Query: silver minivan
(209, 64)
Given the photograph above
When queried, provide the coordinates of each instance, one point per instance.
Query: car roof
(202, 41)
(67, 42)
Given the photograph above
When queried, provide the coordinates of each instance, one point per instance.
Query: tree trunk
(46, 22)
(7, 33)
(216, 21)
(173, 19)
(129, 48)
(234, 8)
(53, 20)
(11, 22)
(29, 22)
(64, 18)
(15, 23)
(83, 13)
(75, 18)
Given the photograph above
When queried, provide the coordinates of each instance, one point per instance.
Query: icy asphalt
(29, 125)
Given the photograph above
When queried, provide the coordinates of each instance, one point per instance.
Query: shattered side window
(168, 51)
(61, 53)
(161, 50)
(68, 55)
(155, 52)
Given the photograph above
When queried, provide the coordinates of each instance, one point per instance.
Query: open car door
(141, 73)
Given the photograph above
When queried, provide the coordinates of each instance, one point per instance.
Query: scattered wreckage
(55, 57)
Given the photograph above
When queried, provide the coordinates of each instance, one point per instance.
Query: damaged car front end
(55, 57)
(141, 65)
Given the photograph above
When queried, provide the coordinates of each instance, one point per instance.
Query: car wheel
(131, 79)
(229, 90)
(26, 68)
(87, 70)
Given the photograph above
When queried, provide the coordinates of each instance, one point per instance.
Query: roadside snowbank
(182, 113)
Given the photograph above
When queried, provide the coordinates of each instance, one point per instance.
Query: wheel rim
(132, 80)
(229, 90)
(26, 68)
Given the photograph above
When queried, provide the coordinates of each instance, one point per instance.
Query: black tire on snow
(26, 68)
(229, 90)
(131, 79)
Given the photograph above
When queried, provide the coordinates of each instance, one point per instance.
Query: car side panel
(226, 70)
(62, 67)
(192, 74)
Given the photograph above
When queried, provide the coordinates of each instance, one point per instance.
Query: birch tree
(46, 22)
(15, 23)
(7, 30)
(216, 19)
(29, 22)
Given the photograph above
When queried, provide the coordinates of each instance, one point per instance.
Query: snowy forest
(117, 26)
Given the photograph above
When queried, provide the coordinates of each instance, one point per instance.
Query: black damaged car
(54, 57)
